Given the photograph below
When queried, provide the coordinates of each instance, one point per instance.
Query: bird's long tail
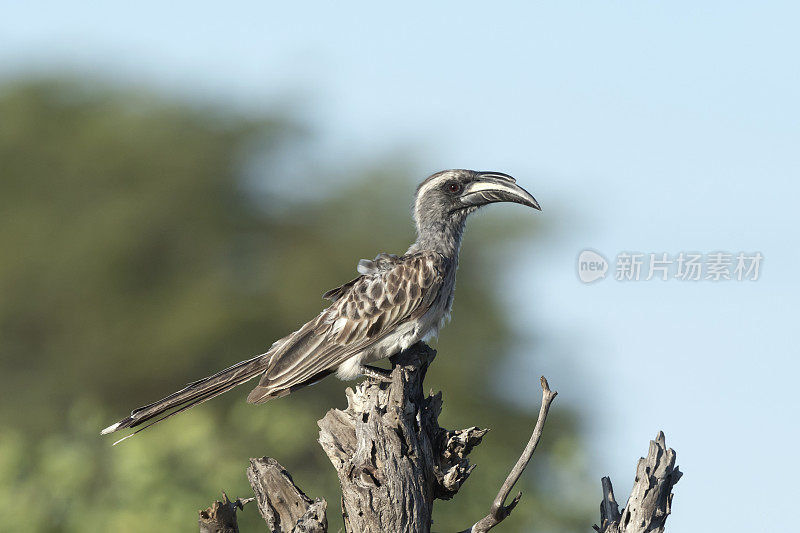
(191, 395)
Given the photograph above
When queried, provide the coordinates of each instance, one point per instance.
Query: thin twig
(500, 510)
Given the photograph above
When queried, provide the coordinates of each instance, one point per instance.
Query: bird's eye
(454, 187)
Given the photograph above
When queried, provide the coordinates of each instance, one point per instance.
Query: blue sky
(646, 126)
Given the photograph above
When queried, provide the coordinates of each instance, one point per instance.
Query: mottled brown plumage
(364, 311)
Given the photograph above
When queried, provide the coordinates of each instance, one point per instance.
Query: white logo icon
(591, 266)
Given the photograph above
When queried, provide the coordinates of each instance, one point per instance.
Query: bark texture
(392, 458)
(221, 516)
(281, 503)
(650, 502)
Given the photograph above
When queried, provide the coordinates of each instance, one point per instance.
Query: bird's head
(450, 195)
(444, 200)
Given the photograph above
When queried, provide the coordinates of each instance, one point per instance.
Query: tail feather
(193, 394)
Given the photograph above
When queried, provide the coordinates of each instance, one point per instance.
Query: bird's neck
(439, 236)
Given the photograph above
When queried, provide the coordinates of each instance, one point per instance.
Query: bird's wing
(364, 311)
(365, 267)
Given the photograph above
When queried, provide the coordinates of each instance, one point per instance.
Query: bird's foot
(373, 372)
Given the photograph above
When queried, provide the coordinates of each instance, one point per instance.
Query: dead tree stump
(394, 460)
(650, 502)
(391, 456)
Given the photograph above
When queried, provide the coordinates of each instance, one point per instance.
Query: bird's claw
(373, 372)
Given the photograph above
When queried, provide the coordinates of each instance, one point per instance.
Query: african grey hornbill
(395, 302)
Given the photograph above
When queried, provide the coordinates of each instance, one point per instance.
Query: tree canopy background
(141, 251)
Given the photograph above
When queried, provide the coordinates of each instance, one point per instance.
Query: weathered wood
(391, 456)
(221, 516)
(499, 510)
(650, 502)
(393, 460)
(281, 503)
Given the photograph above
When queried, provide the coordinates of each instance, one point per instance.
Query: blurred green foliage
(136, 257)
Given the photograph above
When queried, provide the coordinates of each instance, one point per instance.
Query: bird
(394, 302)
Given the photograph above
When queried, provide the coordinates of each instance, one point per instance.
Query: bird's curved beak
(490, 187)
